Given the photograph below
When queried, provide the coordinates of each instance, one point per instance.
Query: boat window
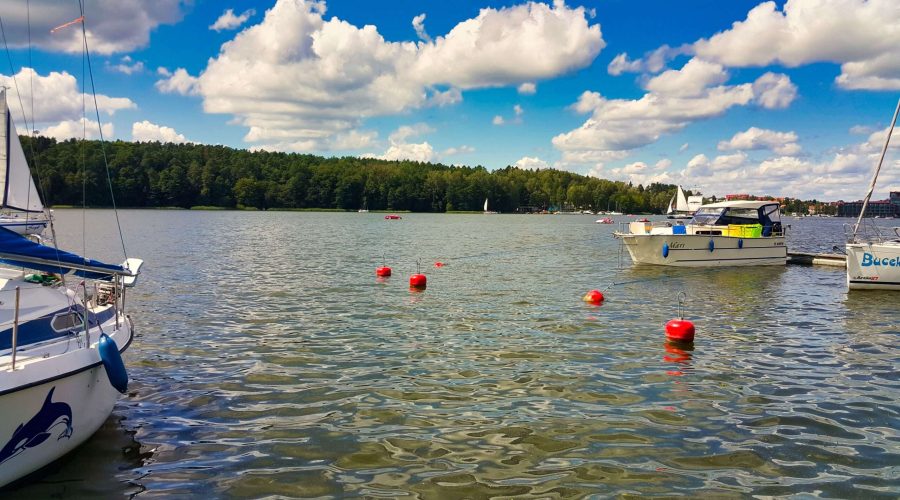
(740, 216)
(708, 216)
(772, 212)
(64, 322)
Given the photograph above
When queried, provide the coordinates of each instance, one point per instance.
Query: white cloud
(527, 88)
(675, 99)
(179, 82)
(861, 129)
(634, 168)
(404, 132)
(461, 150)
(498, 120)
(229, 21)
(126, 66)
(326, 77)
(77, 129)
(652, 62)
(691, 80)
(413, 152)
(56, 97)
(112, 26)
(145, 131)
(418, 23)
(860, 35)
(515, 120)
(662, 164)
(684, 147)
(783, 143)
(774, 91)
(445, 98)
(531, 162)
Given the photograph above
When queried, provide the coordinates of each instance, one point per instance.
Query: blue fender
(665, 250)
(741, 243)
(112, 361)
(712, 245)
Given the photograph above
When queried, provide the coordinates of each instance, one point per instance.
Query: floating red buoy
(417, 281)
(383, 271)
(680, 330)
(439, 264)
(594, 297)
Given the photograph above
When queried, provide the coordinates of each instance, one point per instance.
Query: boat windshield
(707, 216)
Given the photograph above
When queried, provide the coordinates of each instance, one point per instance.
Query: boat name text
(870, 260)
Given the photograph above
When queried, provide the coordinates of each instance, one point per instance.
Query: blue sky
(783, 98)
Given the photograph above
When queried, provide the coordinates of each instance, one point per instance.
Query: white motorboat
(731, 233)
(873, 255)
(21, 209)
(63, 328)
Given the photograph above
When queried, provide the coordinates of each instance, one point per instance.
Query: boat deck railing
(869, 232)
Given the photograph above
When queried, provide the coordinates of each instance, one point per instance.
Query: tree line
(153, 174)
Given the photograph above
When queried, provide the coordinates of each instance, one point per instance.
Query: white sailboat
(873, 259)
(21, 210)
(486, 207)
(678, 206)
(63, 328)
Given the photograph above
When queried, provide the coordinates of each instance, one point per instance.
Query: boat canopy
(18, 251)
(765, 213)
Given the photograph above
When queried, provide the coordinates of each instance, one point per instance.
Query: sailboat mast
(887, 141)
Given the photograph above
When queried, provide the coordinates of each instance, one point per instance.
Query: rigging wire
(112, 195)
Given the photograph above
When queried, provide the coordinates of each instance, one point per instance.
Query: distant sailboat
(678, 206)
(21, 209)
(486, 207)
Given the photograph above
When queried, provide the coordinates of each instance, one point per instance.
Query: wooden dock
(817, 259)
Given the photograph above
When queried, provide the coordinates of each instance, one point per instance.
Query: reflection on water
(271, 361)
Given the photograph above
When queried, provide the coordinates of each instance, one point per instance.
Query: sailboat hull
(873, 266)
(21, 225)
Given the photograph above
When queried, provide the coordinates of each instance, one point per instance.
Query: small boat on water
(392, 217)
(873, 252)
(486, 211)
(605, 220)
(731, 233)
(63, 328)
(678, 206)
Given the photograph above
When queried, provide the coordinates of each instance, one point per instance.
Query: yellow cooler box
(745, 230)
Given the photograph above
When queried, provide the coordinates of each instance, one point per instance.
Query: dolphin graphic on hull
(37, 430)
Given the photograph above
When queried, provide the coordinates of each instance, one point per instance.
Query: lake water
(269, 360)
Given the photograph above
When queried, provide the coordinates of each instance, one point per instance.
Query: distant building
(881, 208)
(729, 197)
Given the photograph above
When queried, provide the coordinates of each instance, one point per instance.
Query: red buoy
(680, 330)
(594, 297)
(438, 264)
(418, 281)
(383, 271)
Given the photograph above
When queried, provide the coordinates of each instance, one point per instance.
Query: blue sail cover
(19, 251)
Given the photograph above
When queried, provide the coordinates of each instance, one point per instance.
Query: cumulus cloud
(527, 88)
(515, 120)
(400, 149)
(531, 162)
(179, 82)
(652, 62)
(146, 131)
(774, 91)
(229, 21)
(126, 66)
(56, 97)
(112, 27)
(77, 129)
(675, 99)
(418, 23)
(783, 143)
(860, 35)
(325, 77)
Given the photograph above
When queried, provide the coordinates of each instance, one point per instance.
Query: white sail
(694, 203)
(16, 184)
(485, 205)
(681, 205)
(671, 203)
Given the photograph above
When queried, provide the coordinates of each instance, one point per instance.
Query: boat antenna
(112, 195)
(865, 204)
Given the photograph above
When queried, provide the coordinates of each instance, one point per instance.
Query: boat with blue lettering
(729, 233)
(63, 329)
(873, 252)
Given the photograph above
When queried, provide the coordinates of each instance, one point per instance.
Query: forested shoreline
(151, 174)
